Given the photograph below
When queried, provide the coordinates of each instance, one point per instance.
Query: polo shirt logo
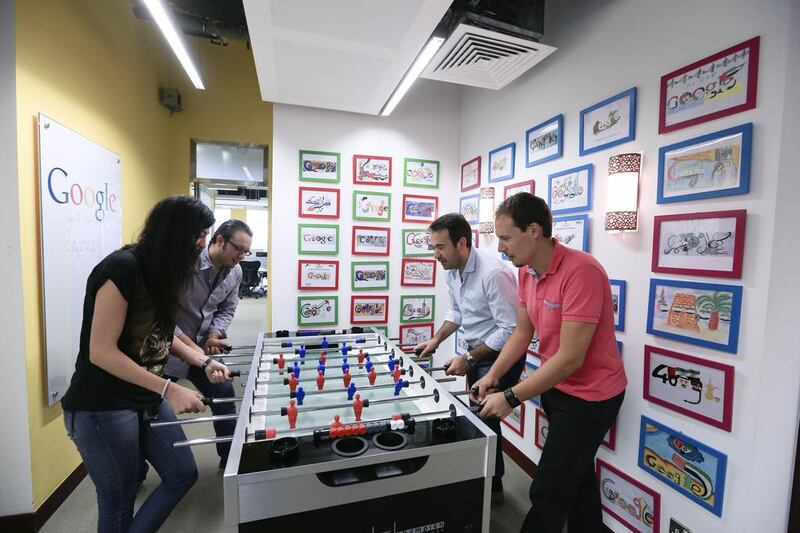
(551, 305)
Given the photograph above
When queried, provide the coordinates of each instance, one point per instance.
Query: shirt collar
(471, 260)
(205, 261)
(559, 251)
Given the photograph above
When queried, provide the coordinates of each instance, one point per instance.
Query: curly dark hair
(167, 253)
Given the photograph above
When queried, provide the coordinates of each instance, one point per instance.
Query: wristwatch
(511, 398)
(471, 361)
(206, 363)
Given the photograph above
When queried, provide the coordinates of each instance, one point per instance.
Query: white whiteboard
(80, 206)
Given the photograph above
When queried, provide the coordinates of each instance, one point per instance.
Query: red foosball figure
(372, 376)
(358, 405)
(292, 382)
(291, 414)
(346, 378)
(320, 380)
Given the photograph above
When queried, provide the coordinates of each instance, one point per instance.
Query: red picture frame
(355, 298)
(424, 219)
(354, 245)
(707, 66)
(300, 278)
(300, 212)
(531, 184)
(405, 278)
(611, 443)
(726, 421)
(656, 514)
(378, 183)
(405, 327)
(521, 430)
(538, 440)
(478, 183)
(476, 239)
(702, 239)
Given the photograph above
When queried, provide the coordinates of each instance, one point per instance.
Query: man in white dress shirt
(483, 298)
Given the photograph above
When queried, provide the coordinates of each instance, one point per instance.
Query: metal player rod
(332, 350)
(274, 360)
(306, 339)
(285, 381)
(329, 391)
(197, 420)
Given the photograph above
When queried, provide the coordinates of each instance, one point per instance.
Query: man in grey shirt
(206, 310)
(483, 299)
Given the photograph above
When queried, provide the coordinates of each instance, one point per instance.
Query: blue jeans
(110, 443)
(222, 428)
(510, 379)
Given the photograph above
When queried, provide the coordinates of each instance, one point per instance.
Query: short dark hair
(229, 227)
(525, 209)
(456, 226)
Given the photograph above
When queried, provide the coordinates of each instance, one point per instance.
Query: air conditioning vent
(484, 58)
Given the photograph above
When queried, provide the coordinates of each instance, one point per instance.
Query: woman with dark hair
(129, 317)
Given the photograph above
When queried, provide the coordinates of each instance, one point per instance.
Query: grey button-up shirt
(483, 302)
(207, 306)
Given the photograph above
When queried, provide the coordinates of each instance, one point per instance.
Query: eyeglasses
(244, 251)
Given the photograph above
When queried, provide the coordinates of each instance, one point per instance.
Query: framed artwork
(533, 347)
(608, 123)
(369, 240)
(317, 275)
(420, 208)
(630, 501)
(471, 174)
(421, 173)
(716, 86)
(690, 467)
(413, 334)
(417, 308)
(469, 206)
(619, 347)
(709, 166)
(416, 243)
(572, 231)
(369, 309)
(317, 310)
(372, 170)
(418, 272)
(610, 438)
(530, 368)
(515, 420)
(698, 388)
(460, 343)
(501, 163)
(522, 186)
(700, 244)
(542, 427)
(319, 166)
(476, 238)
(313, 202)
(369, 275)
(570, 190)
(544, 141)
(704, 314)
(381, 330)
(618, 287)
(317, 239)
(369, 205)
(677, 527)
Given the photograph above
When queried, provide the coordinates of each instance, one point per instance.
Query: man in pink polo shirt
(565, 298)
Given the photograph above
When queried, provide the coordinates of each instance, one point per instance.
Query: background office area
(346, 188)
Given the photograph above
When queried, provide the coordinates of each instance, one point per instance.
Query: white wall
(16, 492)
(424, 125)
(607, 47)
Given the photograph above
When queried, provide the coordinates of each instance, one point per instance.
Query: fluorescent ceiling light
(416, 69)
(171, 34)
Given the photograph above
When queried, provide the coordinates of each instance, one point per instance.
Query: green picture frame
(316, 243)
(383, 330)
(417, 311)
(422, 173)
(309, 307)
(319, 167)
(412, 249)
(366, 286)
(372, 205)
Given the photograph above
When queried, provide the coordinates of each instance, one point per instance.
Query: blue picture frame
(585, 238)
(703, 468)
(532, 367)
(619, 347)
(530, 135)
(585, 205)
(477, 198)
(746, 132)
(724, 313)
(629, 115)
(619, 312)
(503, 177)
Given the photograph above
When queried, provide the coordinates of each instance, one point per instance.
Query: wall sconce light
(486, 211)
(622, 198)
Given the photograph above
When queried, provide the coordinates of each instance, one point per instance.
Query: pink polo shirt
(575, 288)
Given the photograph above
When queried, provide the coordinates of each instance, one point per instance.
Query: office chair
(251, 280)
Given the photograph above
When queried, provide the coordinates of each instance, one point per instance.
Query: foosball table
(340, 430)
